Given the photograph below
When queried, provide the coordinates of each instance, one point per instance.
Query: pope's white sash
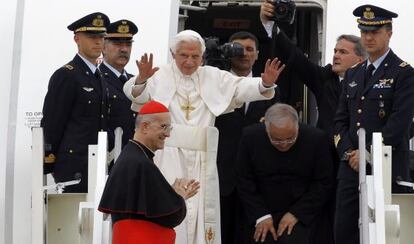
(204, 139)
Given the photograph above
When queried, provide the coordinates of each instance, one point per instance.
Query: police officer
(116, 54)
(74, 109)
(378, 95)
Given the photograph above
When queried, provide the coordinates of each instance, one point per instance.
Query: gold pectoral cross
(187, 108)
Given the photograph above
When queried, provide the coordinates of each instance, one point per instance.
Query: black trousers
(347, 212)
(232, 219)
(323, 232)
(71, 166)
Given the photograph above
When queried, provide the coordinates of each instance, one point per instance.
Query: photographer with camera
(230, 126)
(323, 81)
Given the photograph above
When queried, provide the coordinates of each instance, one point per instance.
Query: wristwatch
(345, 156)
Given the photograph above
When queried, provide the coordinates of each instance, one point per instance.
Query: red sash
(132, 231)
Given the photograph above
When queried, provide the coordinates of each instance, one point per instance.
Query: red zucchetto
(153, 107)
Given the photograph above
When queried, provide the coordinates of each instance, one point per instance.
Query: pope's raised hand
(145, 68)
(272, 72)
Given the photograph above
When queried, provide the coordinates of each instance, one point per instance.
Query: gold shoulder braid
(68, 66)
(403, 64)
(337, 138)
(50, 159)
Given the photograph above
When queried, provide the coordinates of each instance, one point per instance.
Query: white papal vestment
(209, 92)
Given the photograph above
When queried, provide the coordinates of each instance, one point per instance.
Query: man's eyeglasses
(165, 127)
(280, 142)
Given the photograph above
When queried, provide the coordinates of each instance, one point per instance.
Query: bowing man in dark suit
(230, 126)
(377, 95)
(116, 54)
(284, 177)
(75, 109)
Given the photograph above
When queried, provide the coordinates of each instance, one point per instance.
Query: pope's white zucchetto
(187, 36)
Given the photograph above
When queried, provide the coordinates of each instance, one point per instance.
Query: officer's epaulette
(68, 66)
(403, 64)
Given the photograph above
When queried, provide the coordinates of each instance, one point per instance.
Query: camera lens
(284, 11)
(281, 10)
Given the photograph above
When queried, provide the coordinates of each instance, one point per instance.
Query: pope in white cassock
(195, 96)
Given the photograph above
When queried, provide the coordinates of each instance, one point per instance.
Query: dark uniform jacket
(386, 105)
(74, 111)
(322, 81)
(230, 126)
(120, 113)
(273, 182)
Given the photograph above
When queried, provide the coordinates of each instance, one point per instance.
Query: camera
(284, 11)
(218, 55)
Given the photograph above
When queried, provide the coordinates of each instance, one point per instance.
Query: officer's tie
(123, 79)
(98, 78)
(368, 74)
(97, 74)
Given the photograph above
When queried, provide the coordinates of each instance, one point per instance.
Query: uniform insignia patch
(88, 89)
(403, 64)
(384, 83)
(353, 84)
(337, 138)
(69, 67)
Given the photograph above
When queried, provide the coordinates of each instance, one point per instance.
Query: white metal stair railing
(39, 197)
(379, 219)
(91, 223)
(39, 222)
(90, 220)
(114, 154)
(94, 226)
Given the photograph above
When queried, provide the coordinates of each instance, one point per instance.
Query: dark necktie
(97, 74)
(98, 78)
(123, 79)
(368, 74)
